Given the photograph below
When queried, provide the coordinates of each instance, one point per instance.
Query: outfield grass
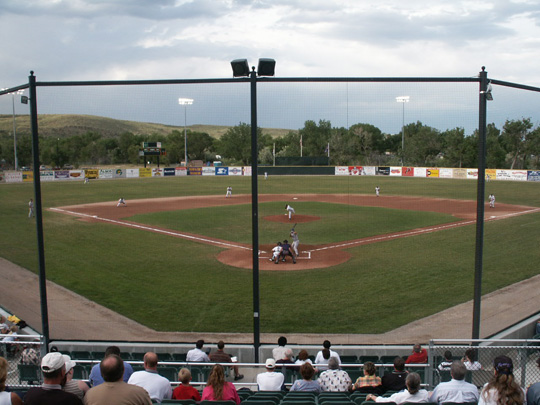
(383, 286)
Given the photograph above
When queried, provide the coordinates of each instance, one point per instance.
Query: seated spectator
(503, 388)
(95, 377)
(447, 362)
(217, 389)
(395, 381)
(321, 359)
(54, 373)
(30, 355)
(279, 352)
(334, 379)
(470, 360)
(303, 357)
(76, 387)
(306, 383)
(413, 393)
(457, 389)
(533, 393)
(157, 386)
(185, 390)
(220, 356)
(418, 356)
(287, 359)
(7, 397)
(11, 332)
(270, 380)
(197, 355)
(114, 390)
(369, 383)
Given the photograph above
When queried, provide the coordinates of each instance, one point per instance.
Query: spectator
(306, 383)
(457, 389)
(334, 379)
(197, 355)
(114, 390)
(395, 381)
(217, 389)
(220, 356)
(157, 386)
(11, 332)
(418, 356)
(78, 388)
(470, 360)
(503, 388)
(446, 364)
(413, 393)
(6, 397)
(279, 352)
(321, 359)
(287, 359)
(369, 383)
(95, 377)
(303, 357)
(270, 380)
(54, 373)
(30, 355)
(185, 390)
(533, 393)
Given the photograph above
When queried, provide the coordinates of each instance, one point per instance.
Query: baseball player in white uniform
(491, 201)
(276, 252)
(30, 208)
(121, 201)
(295, 242)
(290, 210)
(229, 192)
(377, 190)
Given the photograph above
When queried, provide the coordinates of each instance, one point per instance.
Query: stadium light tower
(403, 100)
(18, 92)
(185, 102)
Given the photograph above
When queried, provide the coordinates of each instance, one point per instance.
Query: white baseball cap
(69, 363)
(270, 363)
(52, 362)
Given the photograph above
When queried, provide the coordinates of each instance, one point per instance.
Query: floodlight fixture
(185, 101)
(266, 67)
(240, 67)
(489, 95)
(18, 92)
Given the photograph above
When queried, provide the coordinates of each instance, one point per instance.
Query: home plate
(295, 198)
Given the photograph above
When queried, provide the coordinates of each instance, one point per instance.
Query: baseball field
(177, 257)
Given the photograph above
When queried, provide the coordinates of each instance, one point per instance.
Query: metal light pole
(18, 92)
(403, 99)
(185, 102)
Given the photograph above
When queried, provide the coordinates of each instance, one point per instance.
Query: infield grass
(178, 285)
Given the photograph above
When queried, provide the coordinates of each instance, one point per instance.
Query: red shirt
(417, 358)
(186, 392)
(229, 393)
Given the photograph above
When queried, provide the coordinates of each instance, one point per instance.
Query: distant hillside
(65, 125)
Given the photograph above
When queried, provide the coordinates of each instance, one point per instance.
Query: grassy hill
(66, 125)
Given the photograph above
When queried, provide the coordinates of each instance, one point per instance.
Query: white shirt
(472, 366)
(278, 353)
(491, 396)
(455, 391)
(157, 386)
(270, 381)
(405, 396)
(319, 359)
(197, 355)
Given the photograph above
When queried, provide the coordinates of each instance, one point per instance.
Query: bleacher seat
(81, 355)
(29, 373)
(170, 373)
(179, 401)
(303, 401)
(178, 356)
(373, 359)
(137, 356)
(206, 402)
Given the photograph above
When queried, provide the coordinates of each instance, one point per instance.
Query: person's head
(3, 373)
(220, 345)
(326, 344)
(470, 354)
(508, 390)
(417, 348)
(307, 371)
(282, 341)
(413, 383)
(53, 368)
(270, 364)
(448, 355)
(326, 354)
(112, 350)
(285, 241)
(399, 364)
(69, 366)
(112, 368)
(279, 243)
(288, 355)
(503, 365)
(13, 329)
(333, 363)
(369, 368)
(199, 344)
(184, 376)
(303, 355)
(458, 370)
(216, 380)
(150, 360)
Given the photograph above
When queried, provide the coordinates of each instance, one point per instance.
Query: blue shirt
(96, 378)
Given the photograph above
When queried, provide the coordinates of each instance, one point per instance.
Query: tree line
(514, 146)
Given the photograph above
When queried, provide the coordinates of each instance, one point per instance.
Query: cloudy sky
(65, 40)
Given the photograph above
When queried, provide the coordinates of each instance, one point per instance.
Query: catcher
(286, 251)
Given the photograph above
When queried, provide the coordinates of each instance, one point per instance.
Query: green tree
(515, 132)
(235, 145)
(315, 137)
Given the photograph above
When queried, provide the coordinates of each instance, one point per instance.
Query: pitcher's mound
(295, 219)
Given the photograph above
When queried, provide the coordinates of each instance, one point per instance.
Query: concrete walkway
(73, 317)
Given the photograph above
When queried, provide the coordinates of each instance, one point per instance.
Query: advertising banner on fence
(491, 174)
(119, 173)
(208, 171)
(195, 171)
(235, 171)
(420, 172)
(247, 170)
(169, 171)
(407, 171)
(221, 171)
(28, 175)
(180, 171)
(445, 173)
(533, 175)
(383, 171)
(132, 173)
(432, 172)
(13, 177)
(341, 171)
(516, 175)
(395, 171)
(145, 172)
(370, 171)
(61, 174)
(460, 173)
(356, 171)
(157, 172)
(76, 174)
(105, 173)
(46, 175)
(91, 173)
(472, 173)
